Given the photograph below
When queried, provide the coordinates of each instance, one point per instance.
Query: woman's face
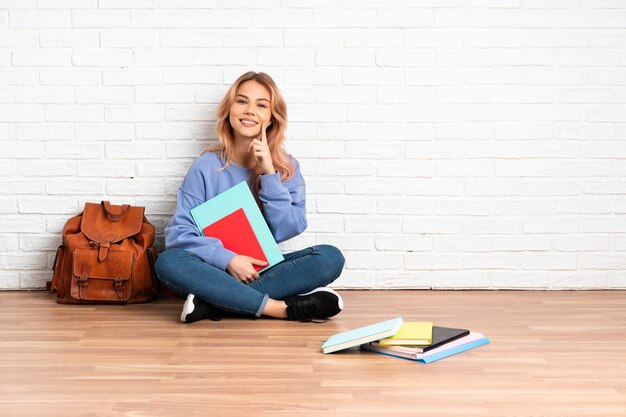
(250, 109)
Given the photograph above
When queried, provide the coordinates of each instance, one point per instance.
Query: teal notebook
(362, 335)
(227, 213)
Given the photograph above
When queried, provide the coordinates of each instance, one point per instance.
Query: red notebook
(237, 235)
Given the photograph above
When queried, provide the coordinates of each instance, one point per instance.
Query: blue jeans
(300, 272)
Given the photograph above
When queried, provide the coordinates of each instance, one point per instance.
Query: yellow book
(411, 333)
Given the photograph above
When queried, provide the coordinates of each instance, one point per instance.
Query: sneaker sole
(188, 308)
(330, 290)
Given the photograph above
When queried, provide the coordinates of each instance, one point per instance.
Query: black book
(441, 336)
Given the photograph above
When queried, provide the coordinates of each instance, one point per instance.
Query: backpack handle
(114, 217)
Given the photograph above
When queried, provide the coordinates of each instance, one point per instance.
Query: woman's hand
(241, 267)
(261, 151)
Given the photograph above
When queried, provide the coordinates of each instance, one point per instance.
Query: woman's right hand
(241, 267)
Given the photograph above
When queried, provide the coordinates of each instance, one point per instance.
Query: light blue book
(238, 197)
(362, 335)
(433, 357)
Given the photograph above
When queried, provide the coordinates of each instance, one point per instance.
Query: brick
(524, 131)
(135, 150)
(433, 261)
(493, 225)
(430, 225)
(352, 57)
(70, 76)
(578, 280)
(551, 224)
(22, 224)
(75, 187)
(369, 38)
(372, 224)
(101, 58)
(345, 205)
(23, 261)
(604, 224)
(462, 243)
(520, 243)
(406, 132)
(45, 168)
(372, 261)
(104, 131)
(463, 206)
(38, 243)
(294, 18)
(187, 113)
(70, 38)
(255, 38)
(44, 95)
(430, 187)
(18, 76)
(104, 95)
(581, 243)
(181, 18)
(22, 150)
(134, 113)
(73, 113)
(44, 131)
(500, 261)
(73, 150)
(320, 113)
(196, 75)
(163, 57)
(129, 38)
(406, 169)
(9, 243)
(406, 206)
(321, 223)
(21, 39)
(41, 57)
(39, 19)
(67, 4)
(182, 130)
(162, 168)
(101, 19)
(462, 168)
(520, 280)
(106, 169)
(404, 243)
(127, 4)
(344, 131)
(582, 205)
(362, 242)
(583, 131)
(131, 187)
(432, 38)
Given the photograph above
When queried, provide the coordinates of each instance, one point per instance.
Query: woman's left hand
(261, 151)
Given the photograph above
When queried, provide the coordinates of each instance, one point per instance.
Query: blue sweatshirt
(283, 206)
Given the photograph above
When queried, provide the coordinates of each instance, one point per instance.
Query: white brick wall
(445, 144)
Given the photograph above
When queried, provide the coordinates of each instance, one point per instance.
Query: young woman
(251, 123)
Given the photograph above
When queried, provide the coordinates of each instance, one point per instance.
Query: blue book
(234, 218)
(362, 335)
(439, 353)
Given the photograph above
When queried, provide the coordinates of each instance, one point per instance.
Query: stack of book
(417, 341)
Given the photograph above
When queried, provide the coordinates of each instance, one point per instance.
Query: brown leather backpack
(107, 256)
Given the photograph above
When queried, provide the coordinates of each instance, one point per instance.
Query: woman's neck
(242, 156)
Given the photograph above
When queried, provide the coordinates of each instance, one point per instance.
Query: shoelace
(303, 311)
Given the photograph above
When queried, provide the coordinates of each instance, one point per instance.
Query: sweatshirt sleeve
(284, 204)
(182, 232)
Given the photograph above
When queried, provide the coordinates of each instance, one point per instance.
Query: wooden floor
(551, 354)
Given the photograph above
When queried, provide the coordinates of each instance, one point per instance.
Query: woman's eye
(241, 102)
(262, 105)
